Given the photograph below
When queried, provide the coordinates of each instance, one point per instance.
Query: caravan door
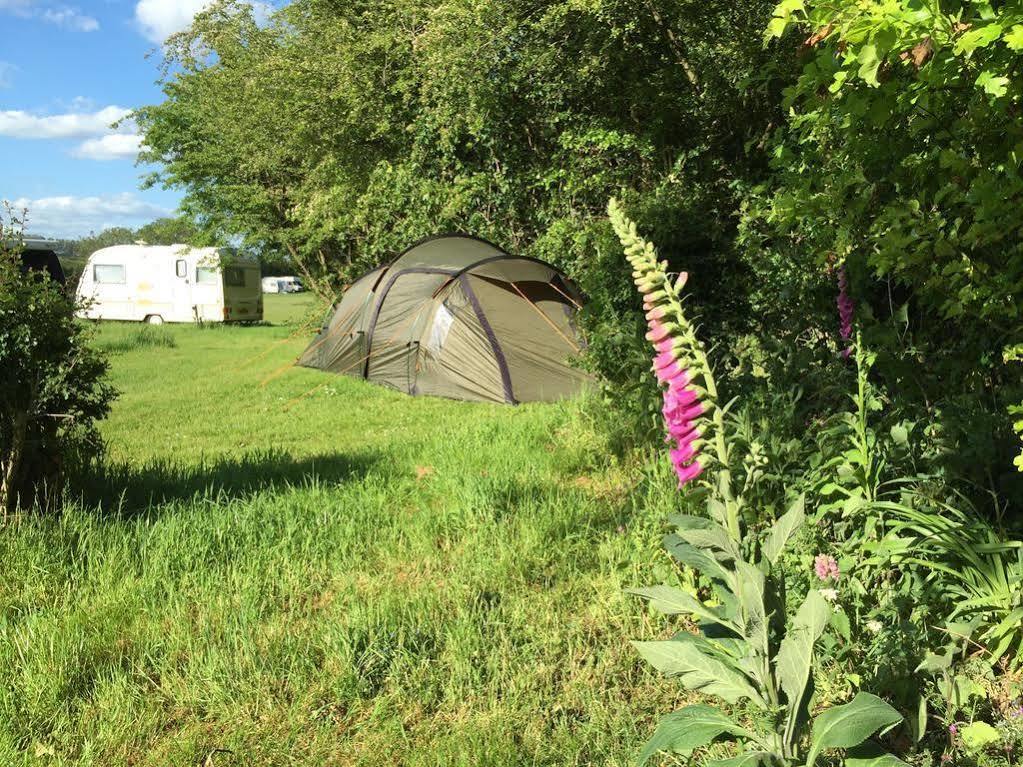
(181, 290)
(208, 287)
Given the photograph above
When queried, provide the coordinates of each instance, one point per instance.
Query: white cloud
(116, 146)
(70, 17)
(61, 15)
(19, 124)
(77, 216)
(7, 71)
(159, 19)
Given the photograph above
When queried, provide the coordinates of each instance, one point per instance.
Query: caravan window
(234, 277)
(108, 273)
(206, 276)
(181, 268)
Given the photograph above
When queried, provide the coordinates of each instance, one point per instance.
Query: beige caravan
(174, 283)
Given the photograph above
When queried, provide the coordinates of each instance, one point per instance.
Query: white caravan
(282, 285)
(174, 283)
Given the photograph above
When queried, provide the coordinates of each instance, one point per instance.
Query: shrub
(52, 387)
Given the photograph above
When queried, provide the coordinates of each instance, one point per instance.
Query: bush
(52, 387)
(912, 592)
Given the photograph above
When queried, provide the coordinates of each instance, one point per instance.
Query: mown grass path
(348, 577)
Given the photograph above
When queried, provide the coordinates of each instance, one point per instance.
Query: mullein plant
(747, 653)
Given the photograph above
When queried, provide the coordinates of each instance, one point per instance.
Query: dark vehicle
(41, 256)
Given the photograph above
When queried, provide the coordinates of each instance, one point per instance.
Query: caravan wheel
(154, 319)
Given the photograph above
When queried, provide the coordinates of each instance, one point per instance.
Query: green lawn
(281, 567)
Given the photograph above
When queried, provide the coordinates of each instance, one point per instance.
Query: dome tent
(455, 316)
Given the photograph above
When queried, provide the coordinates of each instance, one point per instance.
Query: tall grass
(286, 575)
(143, 337)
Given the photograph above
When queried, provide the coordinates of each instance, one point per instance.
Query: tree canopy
(762, 145)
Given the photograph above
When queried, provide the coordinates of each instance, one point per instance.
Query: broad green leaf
(794, 661)
(717, 511)
(933, 663)
(869, 63)
(783, 529)
(687, 729)
(696, 669)
(748, 759)
(921, 719)
(751, 601)
(1014, 38)
(849, 725)
(672, 601)
(703, 533)
(980, 37)
(992, 84)
(871, 755)
(697, 559)
(840, 622)
(788, 7)
(978, 736)
(776, 27)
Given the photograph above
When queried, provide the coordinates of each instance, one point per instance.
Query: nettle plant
(748, 652)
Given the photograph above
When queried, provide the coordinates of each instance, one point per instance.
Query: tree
(169, 231)
(900, 158)
(342, 133)
(84, 247)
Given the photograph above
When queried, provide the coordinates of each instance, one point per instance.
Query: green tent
(455, 316)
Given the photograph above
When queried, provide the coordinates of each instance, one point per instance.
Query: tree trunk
(10, 467)
(321, 288)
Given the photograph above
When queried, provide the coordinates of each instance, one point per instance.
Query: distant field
(280, 567)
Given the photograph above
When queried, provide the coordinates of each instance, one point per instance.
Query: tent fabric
(455, 316)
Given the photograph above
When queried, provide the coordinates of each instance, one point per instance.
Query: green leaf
(687, 658)
(992, 84)
(776, 27)
(981, 37)
(748, 759)
(978, 736)
(840, 622)
(840, 77)
(794, 660)
(751, 600)
(849, 725)
(702, 533)
(933, 663)
(869, 63)
(1014, 38)
(783, 529)
(672, 601)
(920, 728)
(697, 559)
(871, 755)
(687, 729)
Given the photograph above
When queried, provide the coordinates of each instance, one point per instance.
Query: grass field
(280, 567)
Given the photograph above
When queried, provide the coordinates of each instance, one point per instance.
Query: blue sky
(67, 69)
